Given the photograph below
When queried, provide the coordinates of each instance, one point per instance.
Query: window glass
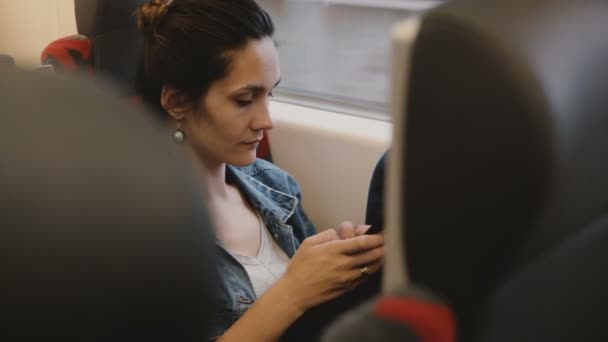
(335, 54)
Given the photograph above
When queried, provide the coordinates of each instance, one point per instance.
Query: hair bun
(151, 13)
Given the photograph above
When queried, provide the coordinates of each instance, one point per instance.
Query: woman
(210, 67)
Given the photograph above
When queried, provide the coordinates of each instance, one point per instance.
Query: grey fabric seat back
(104, 233)
(117, 44)
(506, 145)
(560, 296)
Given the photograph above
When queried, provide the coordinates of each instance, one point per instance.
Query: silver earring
(178, 135)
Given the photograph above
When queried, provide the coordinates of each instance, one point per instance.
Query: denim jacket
(275, 195)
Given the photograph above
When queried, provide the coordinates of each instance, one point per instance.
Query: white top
(268, 266)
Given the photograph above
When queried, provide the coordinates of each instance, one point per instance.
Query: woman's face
(231, 118)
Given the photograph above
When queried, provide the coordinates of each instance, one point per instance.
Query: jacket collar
(269, 202)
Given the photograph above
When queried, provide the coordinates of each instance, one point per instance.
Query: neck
(212, 175)
(214, 178)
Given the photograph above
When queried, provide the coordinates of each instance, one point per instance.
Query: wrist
(293, 305)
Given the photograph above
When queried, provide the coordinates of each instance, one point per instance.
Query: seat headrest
(72, 53)
(104, 233)
(506, 138)
(95, 17)
(117, 44)
(7, 62)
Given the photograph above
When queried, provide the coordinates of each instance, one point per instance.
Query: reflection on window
(335, 54)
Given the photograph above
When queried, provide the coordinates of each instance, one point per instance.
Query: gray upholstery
(559, 296)
(104, 234)
(117, 44)
(506, 160)
(7, 62)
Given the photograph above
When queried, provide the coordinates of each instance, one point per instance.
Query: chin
(242, 159)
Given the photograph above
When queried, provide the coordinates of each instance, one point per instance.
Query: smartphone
(373, 230)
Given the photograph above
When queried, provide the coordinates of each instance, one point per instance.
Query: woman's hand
(324, 267)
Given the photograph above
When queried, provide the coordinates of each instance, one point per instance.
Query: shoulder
(271, 176)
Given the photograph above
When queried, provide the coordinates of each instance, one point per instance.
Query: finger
(321, 238)
(357, 244)
(368, 257)
(375, 267)
(361, 229)
(346, 230)
(357, 274)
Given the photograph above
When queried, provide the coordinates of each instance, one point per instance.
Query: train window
(335, 53)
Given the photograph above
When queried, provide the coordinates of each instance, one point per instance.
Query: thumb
(361, 229)
(346, 230)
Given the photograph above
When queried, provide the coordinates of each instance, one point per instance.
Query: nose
(263, 119)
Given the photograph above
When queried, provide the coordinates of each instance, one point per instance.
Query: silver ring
(364, 271)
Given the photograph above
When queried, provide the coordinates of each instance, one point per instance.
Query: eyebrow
(256, 88)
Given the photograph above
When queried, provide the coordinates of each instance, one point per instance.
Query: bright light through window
(335, 54)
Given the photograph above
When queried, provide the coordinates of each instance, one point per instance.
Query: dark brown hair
(189, 43)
